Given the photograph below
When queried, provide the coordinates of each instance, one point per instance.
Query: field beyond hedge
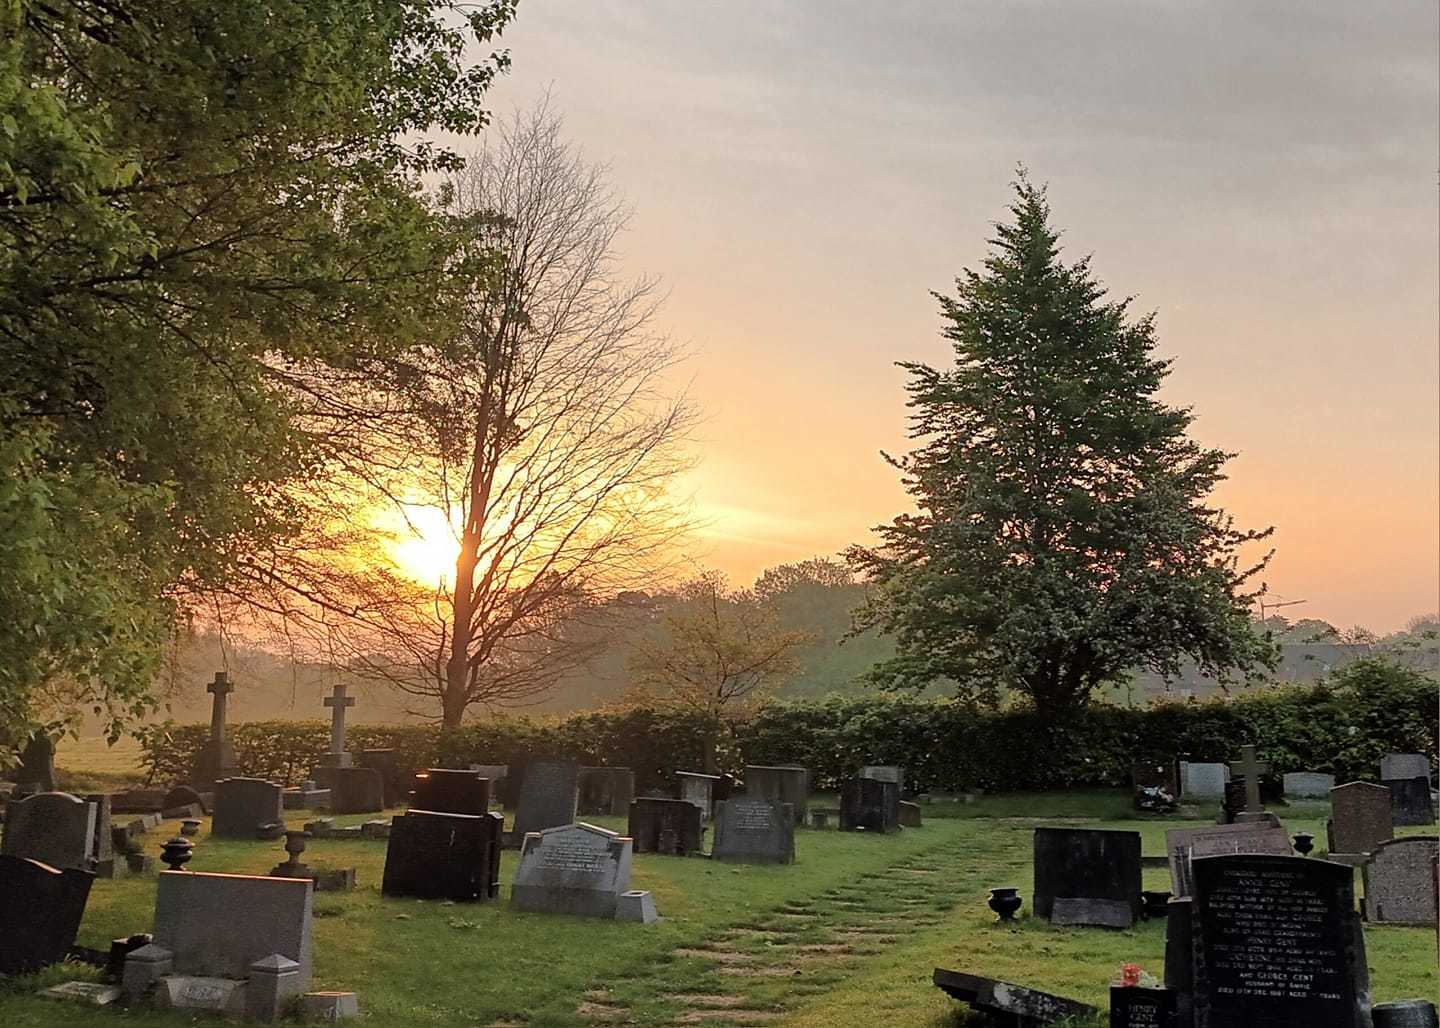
(845, 938)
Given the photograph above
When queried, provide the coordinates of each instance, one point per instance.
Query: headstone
(671, 827)
(395, 783)
(1251, 769)
(754, 831)
(548, 796)
(36, 772)
(91, 994)
(1014, 1005)
(1137, 1007)
(201, 992)
(54, 828)
(508, 792)
(1085, 876)
(1406, 1013)
(450, 791)
(1276, 941)
(102, 847)
(784, 784)
(1410, 801)
(138, 801)
(243, 806)
(443, 856)
(40, 912)
(1404, 765)
(220, 924)
(1180, 959)
(1308, 785)
(1203, 781)
(573, 869)
(636, 905)
(357, 790)
(217, 757)
(1400, 882)
(183, 796)
(1360, 818)
(338, 702)
(910, 815)
(307, 796)
(606, 790)
(869, 805)
(884, 773)
(1184, 844)
(698, 789)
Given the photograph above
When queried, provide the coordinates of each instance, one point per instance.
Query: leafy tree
(1063, 533)
(195, 198)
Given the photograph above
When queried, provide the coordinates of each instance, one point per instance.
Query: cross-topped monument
(338, 702)
(217, 757)
(1251, 769)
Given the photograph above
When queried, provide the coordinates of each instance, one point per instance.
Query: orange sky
(1262, 176)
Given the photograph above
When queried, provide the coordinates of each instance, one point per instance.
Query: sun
(426, 547)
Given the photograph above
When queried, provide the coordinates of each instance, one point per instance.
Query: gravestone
(910, 814)
(1085, 876)
(54, 828)
(548, 796)
(508, 788)
(1404, 765)
(394, 782)
(1249, 768)
(307, 796)
(1180, 959)
(1406, 1013)
(1400, 882)
(218, 925)
(450, 791)
(574, 869)
(102, 847)
(885, 773)
(356, 790)
(1360, 818)
(245, 805)
(443, 856)
(1276, 941)
(672, 827)
(40, 912)
(869, 805)
(1410, 801)
(754, 831)
(1182, 845)
(1308, 785)
(698, 789)
(36, 772)
(606, 790)
(785, 784)
(216, 759)
(1203, 781)
(1137, 1007)
(1012, 1005)
(183, 796)
(338, 702)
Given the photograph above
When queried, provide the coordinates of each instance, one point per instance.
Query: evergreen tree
(1064, 532)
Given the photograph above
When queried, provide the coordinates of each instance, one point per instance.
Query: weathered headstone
(1400, 884)
(1250, 768)
(1276, 941)
(182, 796)
(698, 789)
(1308, 785)
(754, 831)
(102, 848)
(1015, 1005)
(356, 790)
(1410, 801)
(869, 805)
(217, 757)
(1137, 1007)
(384, 761)
(573, 869)
(1203, 781)
(1086, 876)
(36, 772)
(1360, 818)
(666, 826)
(40, 912)
(1182, 845)
(784, 784)
(1180, 959)
(245, 805)
(338, 702)
(606, 790)
(885, 773)
(450, 791)
(443, 856)
(1404, 765)
(548, 796)
(54, 828)
(910, 814)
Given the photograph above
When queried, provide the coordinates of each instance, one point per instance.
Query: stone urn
(190, 826)
(177, 852)
(1304, 843)
(1005, 901)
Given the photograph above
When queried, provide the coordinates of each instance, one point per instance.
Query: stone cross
(337, 704)
(220, 688)
(1252, 769)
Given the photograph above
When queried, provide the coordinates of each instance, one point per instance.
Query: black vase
(1304, 843)
(1005, 901)
(177, 852)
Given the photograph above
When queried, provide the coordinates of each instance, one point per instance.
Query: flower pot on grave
(1005, 901)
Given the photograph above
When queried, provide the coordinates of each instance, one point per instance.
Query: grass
(845, 938)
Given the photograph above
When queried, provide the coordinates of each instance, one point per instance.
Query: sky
(1262, 176)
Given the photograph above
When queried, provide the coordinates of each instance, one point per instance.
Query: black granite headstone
(356, 790)
(666, 826)
(393, 782)
(448, 791)
(1406, 1013)
(443, 856)
(1179, 958)
(1410, 801)
(1085, 876)
(40, 912)
(869, 805)
(1012, 1005)
(1136, 1007)
(1277, 941)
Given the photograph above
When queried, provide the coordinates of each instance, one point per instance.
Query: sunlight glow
(426, 548)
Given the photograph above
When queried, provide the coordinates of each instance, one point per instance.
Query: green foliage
(1063, 533)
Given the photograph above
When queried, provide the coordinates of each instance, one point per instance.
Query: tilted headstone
(217, 757)
(698, 789)
(671, 827)
(1276, 941)
(1203, 781)
(338, 702)
(40, 912)
(784, 784)
(573, 869)
(910, 814)
(754, 831)
(1360, 818)
(54, 828)
(1394, 766)
(869, 805)
(1086, 876)
(1308, 785)
(444, 790)
(606, 790)
(548, 796)
(443, 856)
(1010, 1004)
(1400, 881)
(1182, 845)
(244, 805)
(1410, 801)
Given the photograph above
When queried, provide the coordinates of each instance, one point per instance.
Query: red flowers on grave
(1135, 976)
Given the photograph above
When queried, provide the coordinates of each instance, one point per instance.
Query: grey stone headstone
(1184, 844)
(671, 827)
(357, 790)
(54, 828)
(1360, 817)
(1203, 780)
(910, 814)
(574, 869)
(219, 924)
(698, 789)
(1404, 765)
(243, 806)
(1410, 801)
(1087, 864)
(1308, 785)
(754, 831)
(1400, 885)
(782, 784)
(548, 796)
(884, 773)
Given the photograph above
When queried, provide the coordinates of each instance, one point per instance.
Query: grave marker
(606, 790)
(754, 831)
(666, 826)
(450, 791)
(217, 757)
(1182, 845)
(443, 856)
(548, 796)
(338, 701)
(1086, 876)
(1360, 818)
(40, 912)
(698, 789)
(1400, 882)
(54, 828)
(1404, 765)
(870, 805)
(1410, 801)
(574, 869)
(1203, 781)
(783, 784)
(1308, 785)
(243, 806)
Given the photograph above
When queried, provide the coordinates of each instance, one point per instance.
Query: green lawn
(846, 937)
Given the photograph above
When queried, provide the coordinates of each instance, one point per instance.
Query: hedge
(1343, 726)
